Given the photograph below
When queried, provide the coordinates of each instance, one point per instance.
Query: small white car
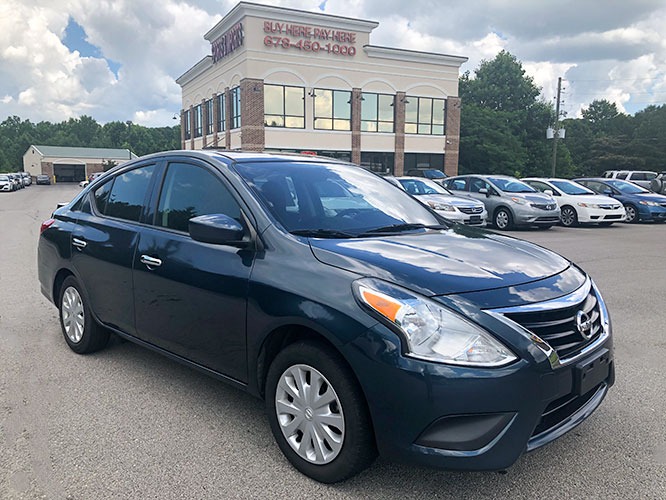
(578, 204)
(441, 200)
(6, 183)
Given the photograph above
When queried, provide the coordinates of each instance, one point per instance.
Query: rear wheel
(318, 414)
(503, 219)
(569, 217)
(632, 214)
(82, 333)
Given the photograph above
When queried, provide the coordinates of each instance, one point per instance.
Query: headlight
(441, 206)
(431, 331)
(519, 201)
(649, 203)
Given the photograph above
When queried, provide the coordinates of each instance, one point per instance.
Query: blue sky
(75, 39)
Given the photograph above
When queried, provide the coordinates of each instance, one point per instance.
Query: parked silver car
(509, 202)
(444, 202)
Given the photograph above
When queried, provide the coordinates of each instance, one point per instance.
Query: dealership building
(65, 164)
(280, 79)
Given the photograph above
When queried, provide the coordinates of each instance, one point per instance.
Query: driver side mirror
(484, 191)
(608, 192)
(217, 229)
(549, 191)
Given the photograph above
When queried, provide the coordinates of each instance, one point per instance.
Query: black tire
(569, 216)
(503, 220)
(82, 333)
(632, 214)
(356, 445)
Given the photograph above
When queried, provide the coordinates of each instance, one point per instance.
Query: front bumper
(593, 215)
(462, 418)
(656, 214)
(525, 215)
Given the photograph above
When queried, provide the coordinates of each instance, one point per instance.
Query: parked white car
(442, 201)
(578, 204)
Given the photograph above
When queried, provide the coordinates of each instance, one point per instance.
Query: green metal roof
(67, 152)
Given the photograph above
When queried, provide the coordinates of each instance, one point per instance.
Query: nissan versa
(367, 323)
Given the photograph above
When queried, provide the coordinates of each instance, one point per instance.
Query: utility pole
(557, 120)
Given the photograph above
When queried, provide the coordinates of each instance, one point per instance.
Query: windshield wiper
(322, 233)
(398, 228)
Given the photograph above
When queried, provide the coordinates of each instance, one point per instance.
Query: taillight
(45, 225)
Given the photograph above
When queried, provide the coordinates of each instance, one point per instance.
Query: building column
(356, 102)
(216, 118)
(182, 129)
(399, 106)
(253, 135)
(452, 146)
(204, 123)
(191, 127)
(227, 118)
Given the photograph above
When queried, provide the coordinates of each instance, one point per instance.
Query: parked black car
(365, 320)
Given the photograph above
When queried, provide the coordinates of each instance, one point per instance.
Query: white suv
(640, 177)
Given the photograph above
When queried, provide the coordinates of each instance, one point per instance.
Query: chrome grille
(471, 210)
(548, 206)
(558, 326)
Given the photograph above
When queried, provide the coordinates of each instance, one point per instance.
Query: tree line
(503, 131)
(16, 135)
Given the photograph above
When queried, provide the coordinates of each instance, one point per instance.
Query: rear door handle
(79, 243)
(150, 262)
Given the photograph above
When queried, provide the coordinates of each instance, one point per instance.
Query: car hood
(597, 199)
(451, 261)
(456, 201)
(658, 198)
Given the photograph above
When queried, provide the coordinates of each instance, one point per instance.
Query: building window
(423, 160)
(198, 121)
(235, 107)
(332, 109)
(222, 109)
(377, 112)
(425, 115)
(284, 106)
(188, 124)
(209, 117)
(382, 163)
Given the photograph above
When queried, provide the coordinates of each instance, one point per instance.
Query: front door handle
(79, 243)
(150, 262)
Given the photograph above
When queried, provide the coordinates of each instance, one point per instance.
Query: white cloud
(615, 52)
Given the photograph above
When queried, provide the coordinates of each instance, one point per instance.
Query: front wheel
(503, 220)
(569, 217)
(317, 413)
(632, 214)
(82, 333)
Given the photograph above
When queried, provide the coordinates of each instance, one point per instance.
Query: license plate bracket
(591, 372)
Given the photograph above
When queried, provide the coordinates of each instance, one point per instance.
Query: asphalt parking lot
(128, 423)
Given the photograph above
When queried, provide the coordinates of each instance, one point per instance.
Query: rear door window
(127, 194)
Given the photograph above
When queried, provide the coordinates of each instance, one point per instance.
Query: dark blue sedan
(640, 204)
(367, 323)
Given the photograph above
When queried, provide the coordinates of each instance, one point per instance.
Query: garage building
(65, 164)
(290, 80)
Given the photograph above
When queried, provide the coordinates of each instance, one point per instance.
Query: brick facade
(452, 149)
(399, 105)
(216, 114)
(204, 122)
(227, 119)
(253, 137)
(356, 103)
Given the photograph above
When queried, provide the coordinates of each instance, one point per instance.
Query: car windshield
(511, 185)
(434, 174)
(419, 187)
(568, 187)
(626, 187)
(333, 200)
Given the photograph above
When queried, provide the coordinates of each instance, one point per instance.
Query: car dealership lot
(128, 423)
